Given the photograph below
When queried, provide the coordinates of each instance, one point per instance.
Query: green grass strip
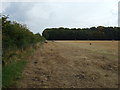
(12, 72)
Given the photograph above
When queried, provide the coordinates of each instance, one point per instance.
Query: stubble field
(72, 64)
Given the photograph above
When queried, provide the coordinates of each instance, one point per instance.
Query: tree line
(93, 33)
(16, 36)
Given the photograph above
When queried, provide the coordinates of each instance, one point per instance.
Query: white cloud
(67, 13)
(86, 1)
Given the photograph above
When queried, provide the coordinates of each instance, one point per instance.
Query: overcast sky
(38, 15)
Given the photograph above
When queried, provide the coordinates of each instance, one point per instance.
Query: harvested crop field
(72, 64)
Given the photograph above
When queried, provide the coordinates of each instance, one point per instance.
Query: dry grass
(73, 64)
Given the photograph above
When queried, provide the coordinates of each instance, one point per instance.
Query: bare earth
(72, 64)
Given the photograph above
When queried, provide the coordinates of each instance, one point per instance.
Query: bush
(16, 36)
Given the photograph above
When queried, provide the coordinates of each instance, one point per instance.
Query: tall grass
(12, 71)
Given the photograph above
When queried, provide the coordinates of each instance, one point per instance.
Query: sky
(41, 14)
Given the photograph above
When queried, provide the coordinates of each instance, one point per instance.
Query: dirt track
(72, 65)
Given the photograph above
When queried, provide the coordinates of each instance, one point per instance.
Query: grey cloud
(39, 16)
(119, 14)
(18, 11)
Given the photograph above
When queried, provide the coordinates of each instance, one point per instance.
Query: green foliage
(93, 33)
(17, 45)
(16, 36)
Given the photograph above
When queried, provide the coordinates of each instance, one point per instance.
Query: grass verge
(12, 72)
